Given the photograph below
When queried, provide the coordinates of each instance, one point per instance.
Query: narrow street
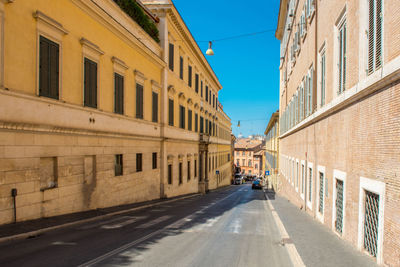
(232, 226)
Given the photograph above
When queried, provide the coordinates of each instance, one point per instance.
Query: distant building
(248, 156)
(272, 149)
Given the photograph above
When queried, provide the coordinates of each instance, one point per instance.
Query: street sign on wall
(266, 172)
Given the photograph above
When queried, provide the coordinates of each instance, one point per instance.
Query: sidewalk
(29, 229)
(316, 244)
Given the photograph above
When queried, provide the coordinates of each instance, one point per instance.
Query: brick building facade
(340, 118)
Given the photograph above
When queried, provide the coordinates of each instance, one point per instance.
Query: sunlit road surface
(228, 227)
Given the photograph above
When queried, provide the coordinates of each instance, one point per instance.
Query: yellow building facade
(84, 111)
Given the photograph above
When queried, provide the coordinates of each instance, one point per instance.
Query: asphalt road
(227, 227)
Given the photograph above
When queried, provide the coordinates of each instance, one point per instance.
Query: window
(201, 124)
(196, 83)
(206, 93)
(180, 173)
(182, 117)
(196, 122)
(237, 163)
(243, 162)
(243, 153)
(342, 57)
(375, 22)
(170, 112)
(118, 165)
(323, 77)
(171, 57)
(90, 83)
(321, 193)
(201, 89)
(139, 162)
(139, 101)
(154, 160)
(155, 107)
(190, 76)
(213, 101)
(48, 173)
(209, 99)
(206, 126)
(188, 171)
(169, 174)
(216, 103)
(49, 56)
(256, 166)
(189, 120)
(181, 68)
(118, 94)
(229, 157)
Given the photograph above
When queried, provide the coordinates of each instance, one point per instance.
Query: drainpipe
(14, 195)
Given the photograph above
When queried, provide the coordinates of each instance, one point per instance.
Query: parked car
(238, 180)
(257, 184)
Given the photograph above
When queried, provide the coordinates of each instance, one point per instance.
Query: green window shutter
(371, 36)
(155, 107)
(196, 122)
(48, 68)
(118, 94)
(379, 34)
(171, 57)
(90, 83)
(139, 101)
(190, 76)
(181, 68)
(182, 117)
(44, 67)
(196, 81)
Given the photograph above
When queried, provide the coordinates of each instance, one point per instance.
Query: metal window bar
(371, 223)
(321, 193)
(339, 206)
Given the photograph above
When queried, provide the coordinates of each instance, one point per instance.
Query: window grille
(371, 222)
(339, 206)
(321, 193)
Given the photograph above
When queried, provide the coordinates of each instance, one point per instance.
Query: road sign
(266, 172)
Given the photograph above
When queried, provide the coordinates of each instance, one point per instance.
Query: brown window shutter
(155, 107)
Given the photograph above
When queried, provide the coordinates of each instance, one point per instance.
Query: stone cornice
(114, 19)
(91, 45)
(40, 16)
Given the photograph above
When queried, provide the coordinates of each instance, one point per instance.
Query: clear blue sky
(248, 67)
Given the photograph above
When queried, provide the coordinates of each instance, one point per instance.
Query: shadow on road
(219, 203)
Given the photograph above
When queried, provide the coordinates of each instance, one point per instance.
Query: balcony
(204, 138)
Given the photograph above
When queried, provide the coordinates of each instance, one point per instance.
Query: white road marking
(62, 243)
(133, 243)
(291, 248)
(94, 225)
(237, 225)
(122, 224)
(154, 222)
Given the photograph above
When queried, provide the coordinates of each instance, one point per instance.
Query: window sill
(49, 188)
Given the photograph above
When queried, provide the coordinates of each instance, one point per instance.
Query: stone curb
(48, 229)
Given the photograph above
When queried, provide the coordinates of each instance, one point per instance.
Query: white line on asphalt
(133, 243)
(154, 222)
(291, 248)
(124, 223)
